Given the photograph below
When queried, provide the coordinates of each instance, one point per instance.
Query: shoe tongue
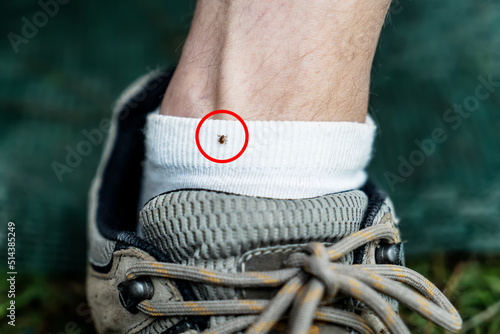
(214, 230)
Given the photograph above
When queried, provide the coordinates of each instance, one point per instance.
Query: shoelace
(312, 278)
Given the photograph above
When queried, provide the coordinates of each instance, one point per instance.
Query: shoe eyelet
(133, 292)
(389, 254)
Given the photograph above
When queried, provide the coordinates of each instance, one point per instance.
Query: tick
(222, 139)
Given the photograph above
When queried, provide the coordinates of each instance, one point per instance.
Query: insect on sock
(281, 160)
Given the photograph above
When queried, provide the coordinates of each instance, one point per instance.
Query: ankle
(271, 64)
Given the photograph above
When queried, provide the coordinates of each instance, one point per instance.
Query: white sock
(282, 160)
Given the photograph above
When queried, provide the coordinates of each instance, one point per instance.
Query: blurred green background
(64, 78)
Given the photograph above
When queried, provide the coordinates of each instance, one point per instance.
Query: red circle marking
(197, 136)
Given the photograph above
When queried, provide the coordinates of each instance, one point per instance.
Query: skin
(284, 60)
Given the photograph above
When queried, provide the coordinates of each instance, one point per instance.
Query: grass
(56, 304)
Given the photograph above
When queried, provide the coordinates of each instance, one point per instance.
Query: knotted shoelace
(312, 277)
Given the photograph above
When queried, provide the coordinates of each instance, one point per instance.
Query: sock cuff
(322, 156)
(333, 145)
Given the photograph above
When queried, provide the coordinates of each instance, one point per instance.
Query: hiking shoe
(208, 261)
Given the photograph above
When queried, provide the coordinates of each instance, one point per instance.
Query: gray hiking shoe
(215, 262)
